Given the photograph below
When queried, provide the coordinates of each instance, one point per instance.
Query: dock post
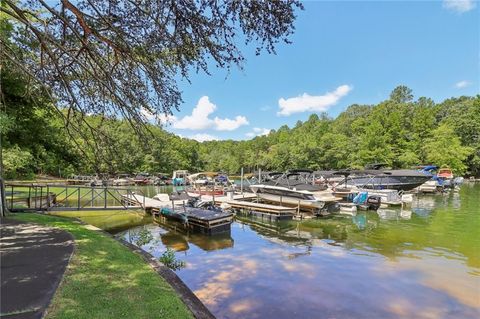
(78, 200)
(48, 196)
(11, 199)
(241, 180)
(35, 198)
(30, 196)
(41, 194)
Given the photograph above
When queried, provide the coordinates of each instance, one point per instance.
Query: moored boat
(123, 180)
(180, 177)
(374, 177)
(285, 196)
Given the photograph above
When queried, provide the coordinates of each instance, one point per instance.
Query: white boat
(123, 180)
(289, 197)
(428, 187)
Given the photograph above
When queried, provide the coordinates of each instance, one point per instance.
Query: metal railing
(67, 197)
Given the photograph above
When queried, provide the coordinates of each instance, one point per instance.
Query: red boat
(445, 173)
(142, 179)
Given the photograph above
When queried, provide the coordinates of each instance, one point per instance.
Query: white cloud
(462, 84)
(228, 124)
(147, 114)
(258, 131)
(200, 120)
(203, 137)
(309, 103)
(166, 119)
(459, 6)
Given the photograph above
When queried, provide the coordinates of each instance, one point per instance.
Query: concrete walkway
(33, 261)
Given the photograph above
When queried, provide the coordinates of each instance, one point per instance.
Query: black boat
(374, 177)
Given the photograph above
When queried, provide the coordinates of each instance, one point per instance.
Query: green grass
(108, 219)
(106, 280)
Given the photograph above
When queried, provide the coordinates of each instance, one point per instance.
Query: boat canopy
(299, 171)
(375, 166)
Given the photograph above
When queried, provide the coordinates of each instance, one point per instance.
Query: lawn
(106, 280)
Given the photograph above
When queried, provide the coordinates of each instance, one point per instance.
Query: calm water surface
(418, 263)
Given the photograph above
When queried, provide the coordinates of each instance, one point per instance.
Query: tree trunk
(3, 203)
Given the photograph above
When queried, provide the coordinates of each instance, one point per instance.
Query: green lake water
(423, 262)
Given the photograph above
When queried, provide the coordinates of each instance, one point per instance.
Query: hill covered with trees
(400, 131)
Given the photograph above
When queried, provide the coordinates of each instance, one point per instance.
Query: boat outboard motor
(374, 202)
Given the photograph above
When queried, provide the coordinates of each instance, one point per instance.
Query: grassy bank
(110, 219)
(106, 280)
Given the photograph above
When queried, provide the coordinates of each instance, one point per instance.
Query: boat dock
(246, 203)
(264, 211)
(198, 220)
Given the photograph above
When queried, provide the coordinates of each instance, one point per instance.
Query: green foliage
(401, 94)
(444, 148)
(402, 134)
(168, 259)
(16, 161)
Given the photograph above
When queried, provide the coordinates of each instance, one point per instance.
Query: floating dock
(198, 220)
(245, 202)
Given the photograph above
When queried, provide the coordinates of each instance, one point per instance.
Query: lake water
(418, 263)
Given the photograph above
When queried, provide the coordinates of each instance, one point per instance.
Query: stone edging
(198, 309)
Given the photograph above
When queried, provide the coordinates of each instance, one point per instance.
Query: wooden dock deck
(237, 201)
(261, 210)
(200, 220)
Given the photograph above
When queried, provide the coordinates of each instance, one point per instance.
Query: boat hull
(399, 183)
(285, 196)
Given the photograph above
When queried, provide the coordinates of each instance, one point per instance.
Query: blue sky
(342, 53)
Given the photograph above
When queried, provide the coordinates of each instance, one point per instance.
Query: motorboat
(142, 179)
(202, 178)
(193, 213)
(162, 180)
(123, 180)
(95, 182)
(288, 188)
(374, 177)
(445, 173)
(180, 177)
(208, 183)
(285, 196)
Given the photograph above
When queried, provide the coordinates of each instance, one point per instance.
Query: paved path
(33, 261)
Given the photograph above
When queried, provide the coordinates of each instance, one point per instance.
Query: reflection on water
(421, 262)
(177, 240)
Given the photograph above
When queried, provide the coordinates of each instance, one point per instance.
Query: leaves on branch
(123, 58)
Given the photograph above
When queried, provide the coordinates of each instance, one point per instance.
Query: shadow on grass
(106, 280)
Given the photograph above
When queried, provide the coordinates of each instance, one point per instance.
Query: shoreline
(179, 288)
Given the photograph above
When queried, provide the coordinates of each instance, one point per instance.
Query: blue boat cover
(361, 198)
